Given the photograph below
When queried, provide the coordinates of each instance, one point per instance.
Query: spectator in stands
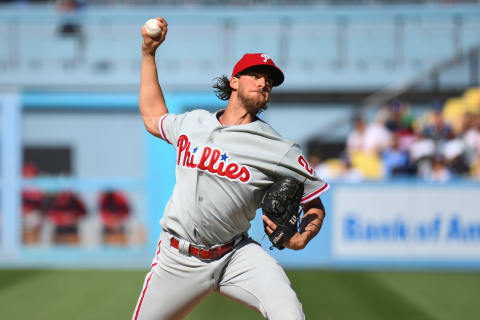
(114, 212)
(366, 142)
(439, 171)
(421, 153)
(339, 169)
(438, 130)
(393, 122)
(33, 201)
(377, 136)
(32, 212)
(70, 23)
(356, 138)
(65, 212)
(400, 122)
(454, 152)
(471, 136)
(395, 160)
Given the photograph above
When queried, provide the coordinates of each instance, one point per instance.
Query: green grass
(53, 294)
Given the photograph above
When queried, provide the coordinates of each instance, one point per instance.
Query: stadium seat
(371, 45)
(45, 50)
(471, 97)
(192, 47)
(5, 54)
(427, 42)
(257, 36)
(312, 46)
(470, 37)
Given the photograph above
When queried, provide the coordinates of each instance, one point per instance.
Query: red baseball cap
(250, 60)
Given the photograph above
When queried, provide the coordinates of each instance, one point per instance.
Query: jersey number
(304, 163)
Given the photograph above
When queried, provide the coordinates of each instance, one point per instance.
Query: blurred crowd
(57, 217)
(441, 144)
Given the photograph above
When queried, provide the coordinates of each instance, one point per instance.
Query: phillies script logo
(211, 160)
(301, 160)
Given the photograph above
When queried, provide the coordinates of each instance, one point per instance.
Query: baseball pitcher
(228, 164)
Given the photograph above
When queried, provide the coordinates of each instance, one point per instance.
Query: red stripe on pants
(143, 295)
(148, 280)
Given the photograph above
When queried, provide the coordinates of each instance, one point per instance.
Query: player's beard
(251, 104)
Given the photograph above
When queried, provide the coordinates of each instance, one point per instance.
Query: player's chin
(261, 99)
(259, 106)
(256, 103)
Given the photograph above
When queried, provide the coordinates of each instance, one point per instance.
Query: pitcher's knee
(286, 314)
(286, 310)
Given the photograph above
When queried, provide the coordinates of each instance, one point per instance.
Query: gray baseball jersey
(222, 173)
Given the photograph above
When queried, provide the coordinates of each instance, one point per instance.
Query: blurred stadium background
(383, 96)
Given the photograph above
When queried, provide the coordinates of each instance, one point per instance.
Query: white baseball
(152, 28)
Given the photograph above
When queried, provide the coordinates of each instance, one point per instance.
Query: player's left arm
(310, 225)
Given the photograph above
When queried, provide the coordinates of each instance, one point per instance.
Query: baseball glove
(280, 204)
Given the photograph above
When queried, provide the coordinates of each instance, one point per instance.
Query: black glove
(280, 204)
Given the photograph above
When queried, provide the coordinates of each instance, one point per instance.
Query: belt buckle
(200, 251)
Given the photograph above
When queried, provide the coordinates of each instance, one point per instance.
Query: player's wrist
(312, 227)
(297, 242)
(309, 235)
(148, 52)
(149, 48)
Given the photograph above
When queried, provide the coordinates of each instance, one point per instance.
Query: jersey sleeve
(294, 164)
(169, 127)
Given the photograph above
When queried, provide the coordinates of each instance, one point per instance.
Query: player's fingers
(269, 223)
(146, 37)
(164, 34)
(162, 21)
(163, 25)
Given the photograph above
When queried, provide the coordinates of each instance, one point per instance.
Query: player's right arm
(151, 101)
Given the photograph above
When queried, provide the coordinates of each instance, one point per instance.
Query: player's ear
(234, 83)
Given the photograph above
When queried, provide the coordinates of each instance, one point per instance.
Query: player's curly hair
(221, 87)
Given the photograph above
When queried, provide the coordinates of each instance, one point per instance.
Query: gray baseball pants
(178, 282)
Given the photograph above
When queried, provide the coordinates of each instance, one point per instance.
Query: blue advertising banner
(408, 223)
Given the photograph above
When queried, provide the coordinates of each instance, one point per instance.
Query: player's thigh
(164, 297)
(173, 287)
(256, 279)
